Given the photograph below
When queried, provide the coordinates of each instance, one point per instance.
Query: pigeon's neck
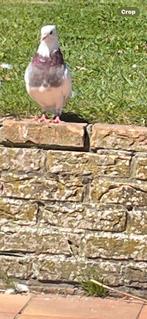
(45, 49)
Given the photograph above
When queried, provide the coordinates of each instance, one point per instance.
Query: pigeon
(47, 77)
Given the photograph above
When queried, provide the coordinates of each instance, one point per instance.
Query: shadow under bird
(47, 77)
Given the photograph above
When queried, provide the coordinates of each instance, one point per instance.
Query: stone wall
(73, 205)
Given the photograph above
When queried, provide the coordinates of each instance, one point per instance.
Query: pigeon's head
(48, 33)
(49, 37)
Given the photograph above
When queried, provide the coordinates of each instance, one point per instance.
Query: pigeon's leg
(56, 119)
(43, 118)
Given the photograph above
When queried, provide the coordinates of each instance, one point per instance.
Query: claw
(56, 120)
(42, 119)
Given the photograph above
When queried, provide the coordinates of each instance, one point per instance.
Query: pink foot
(56, 120)
(41, 119)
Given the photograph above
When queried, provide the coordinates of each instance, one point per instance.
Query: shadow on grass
(73, 117)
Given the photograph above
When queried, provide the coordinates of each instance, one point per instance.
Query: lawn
(106, 54)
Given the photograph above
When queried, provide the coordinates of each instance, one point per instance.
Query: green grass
(91, 289)
(106, 54)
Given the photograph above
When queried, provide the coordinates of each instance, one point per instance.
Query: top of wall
(72, 136)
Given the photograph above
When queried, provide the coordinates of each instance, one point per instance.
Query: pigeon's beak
(43, 37)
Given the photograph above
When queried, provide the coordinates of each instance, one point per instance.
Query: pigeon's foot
(43, 119)
(56, 120)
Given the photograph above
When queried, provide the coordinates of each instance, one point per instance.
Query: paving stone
(143, 314)
(12, 304)
(77, 307)
(6, 315)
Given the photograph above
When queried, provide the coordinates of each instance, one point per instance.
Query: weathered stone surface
(54, 188)
(57, 243)
(123, 137)
(116, 246)
(69, 216)
(17, 212)
(119, 192)
(137, 221)
(50, 268)
(114, 163)
(31, 132)
(76, 216)
(20, 239)
(71, 269)
(135, 274)
(139, 169)
(21, 160)
(38, 240)
(105, 162)
(15, 267)
(72, 135)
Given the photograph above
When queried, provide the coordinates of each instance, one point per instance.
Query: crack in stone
(38, 213)
(44, 146)
(107, 191)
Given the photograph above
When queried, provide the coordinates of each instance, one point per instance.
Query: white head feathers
(46, 30)
(49, 40)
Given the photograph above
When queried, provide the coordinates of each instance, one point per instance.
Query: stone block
(84, 216)
(139, 167)
(21, 160)
(102, 163)
(19, 212)
(118, 192)
(137, 221)
(115, 246)
(38, 240)
(135, 274)
(30, 132)
(74, 269)
(15, 267)
(40, 188)
(124, 137)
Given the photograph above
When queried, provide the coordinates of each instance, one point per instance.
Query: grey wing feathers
(45, 76)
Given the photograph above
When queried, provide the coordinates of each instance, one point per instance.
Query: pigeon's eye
(51, 32)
